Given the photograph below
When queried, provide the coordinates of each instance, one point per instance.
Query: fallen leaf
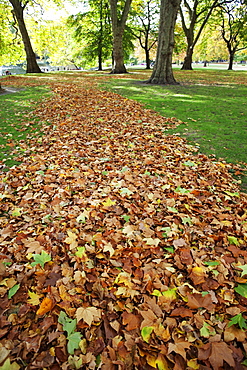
(45, 306)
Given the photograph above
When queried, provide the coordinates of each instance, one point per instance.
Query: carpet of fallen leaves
(121, 248)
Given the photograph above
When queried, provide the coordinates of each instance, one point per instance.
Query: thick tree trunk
(162, 72)
(187, 64)
(118, 53)
(32, 65)
(118, 25)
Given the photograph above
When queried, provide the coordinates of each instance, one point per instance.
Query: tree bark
(118, 25)
(18, 9)
(162, 72)
(147, 59)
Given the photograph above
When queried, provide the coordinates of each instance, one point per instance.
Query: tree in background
(18, 12)
(144, 25)
(162, 72)
(54, 43)
(11, 50)
(194, 17)
(234, 27)
(92, 29)
(119, 15)
(210, 46)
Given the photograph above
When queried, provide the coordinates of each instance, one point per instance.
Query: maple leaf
(238, 320)
(241, 289)
(34, 299)
(220, 352)
(88, 314)
(233, 240)
(41, 259)
(151, 241)
(179, 347)
(74, 340)
(125, 191)
(129, 230)
(16, 212)
(132, 321)
(9, 365)
(109, 202)
(71, 240)
(108, 248)
(207, 330)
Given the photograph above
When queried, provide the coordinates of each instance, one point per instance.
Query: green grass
(16, 124)
(212, 104)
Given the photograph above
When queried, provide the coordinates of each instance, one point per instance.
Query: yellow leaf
(162, 363)
(193, 364)
(108, 202)
(151, 360)
(124, 278)
(34, 299)
(71, 240)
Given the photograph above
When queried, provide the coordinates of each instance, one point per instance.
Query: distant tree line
(109, 29)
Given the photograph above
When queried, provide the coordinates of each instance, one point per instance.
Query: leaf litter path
(120, 248)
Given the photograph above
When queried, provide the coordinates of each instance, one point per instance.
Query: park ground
(122, 246)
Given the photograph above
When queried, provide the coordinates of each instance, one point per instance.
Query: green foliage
(41, 259)
(146, 333)
(92, 30)
(11, 47)
(238, 320)
(13, 290)
(241, 289)
(69, 325)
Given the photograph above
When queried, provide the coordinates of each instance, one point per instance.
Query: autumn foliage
(121, 248)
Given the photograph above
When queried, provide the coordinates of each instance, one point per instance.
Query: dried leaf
(45, 306)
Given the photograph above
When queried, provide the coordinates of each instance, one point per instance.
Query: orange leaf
(45, 306)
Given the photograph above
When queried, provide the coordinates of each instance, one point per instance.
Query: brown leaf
(220, 352)
(132, 321)
(179, 347)
(197, 300)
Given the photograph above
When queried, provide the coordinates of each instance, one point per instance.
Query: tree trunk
(189, 31)
(231, 57)
(187, 64)
(118, 25)
(162, 72)
(147, 58)
(100, 68)
(32, 65)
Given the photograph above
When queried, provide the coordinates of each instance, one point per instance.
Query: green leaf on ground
(73, 342)
(13, 290)
(146, 333)
(241, 289)
(41, 259)
(238, 320)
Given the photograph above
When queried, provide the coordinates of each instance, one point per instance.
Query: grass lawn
(211, 104)
(16, 123)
